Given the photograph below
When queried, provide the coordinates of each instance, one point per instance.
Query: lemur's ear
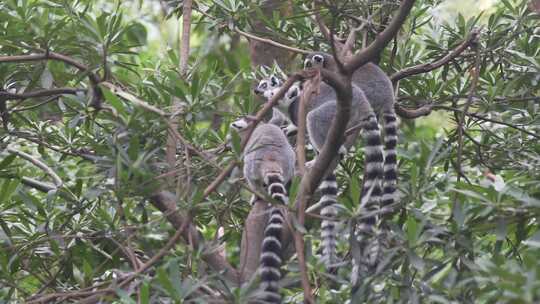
(293, 92)
(274, 81)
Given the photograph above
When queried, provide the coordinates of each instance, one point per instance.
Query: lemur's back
(376, 86)
(268, 151)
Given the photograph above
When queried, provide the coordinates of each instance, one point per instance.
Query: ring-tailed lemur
(267, 87)
(269, 162)
(380, 94)
(379, 91)
(321, 111)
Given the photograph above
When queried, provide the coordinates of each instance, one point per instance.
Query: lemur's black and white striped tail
(328, 201)
(271, 251)
(370, 201)
(373, 171)
(390, 159)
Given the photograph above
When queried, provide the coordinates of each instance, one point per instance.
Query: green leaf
(144, 292)
(236, 143)
(8, 188)
(354, 188)
(113, 100)
(7, 161)
(412, 230)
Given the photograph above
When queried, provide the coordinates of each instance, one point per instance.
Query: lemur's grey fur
(269, 162)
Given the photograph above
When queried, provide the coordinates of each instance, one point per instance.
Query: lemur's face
(314, 61)
(267, 87)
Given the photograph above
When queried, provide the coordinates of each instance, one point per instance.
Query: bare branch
(380, 42)
(52, 56)
(56, 179)
(272, 42)
(426, 67)
(40, 93)
(133, 99)
(413, 113)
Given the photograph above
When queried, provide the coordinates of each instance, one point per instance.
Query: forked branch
(381, 41)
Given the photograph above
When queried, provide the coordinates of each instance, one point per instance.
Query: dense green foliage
(467, 230)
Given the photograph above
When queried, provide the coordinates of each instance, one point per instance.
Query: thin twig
(427, 67)
(272, 42)
(461, 118)
(480, 117)
(40, 93)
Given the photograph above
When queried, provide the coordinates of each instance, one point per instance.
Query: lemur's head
(268, 86)
(315, 60)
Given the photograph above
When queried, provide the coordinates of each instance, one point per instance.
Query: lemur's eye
(264, 85)
(318, 58)
(307, 63)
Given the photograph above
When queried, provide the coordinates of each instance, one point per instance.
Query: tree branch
(174, 121)
(427, 67)
(48, 55)
(272, 42)
(40, 93)
(380, 42)
(312, 179)
(424, 110)
(56, 179)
